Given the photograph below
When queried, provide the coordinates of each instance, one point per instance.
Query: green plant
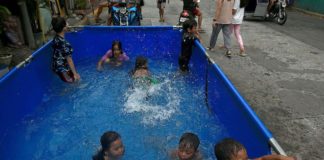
(4, 14)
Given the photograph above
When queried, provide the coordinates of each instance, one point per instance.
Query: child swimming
(112, 147)
(114, 56)
(141, 73)
(141, 68)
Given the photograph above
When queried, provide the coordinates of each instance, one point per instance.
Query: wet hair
(188, 24)
(189, 140)
(119, 44)
(140, 63)
(227, 148)
(106, 140)
(58, 24)
(243, 3)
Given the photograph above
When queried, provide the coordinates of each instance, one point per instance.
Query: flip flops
(210, 49)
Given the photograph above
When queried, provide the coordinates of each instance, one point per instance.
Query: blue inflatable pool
(41, 116)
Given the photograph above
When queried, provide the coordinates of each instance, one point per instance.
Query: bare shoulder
(198, 156)
(173, 153)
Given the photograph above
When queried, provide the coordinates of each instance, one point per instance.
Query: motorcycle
(187, 15)
(125, 14)
(184, 16)
(278, 12)
(258, 9)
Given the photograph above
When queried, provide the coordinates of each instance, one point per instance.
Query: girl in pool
(112, 147)
(114, 56)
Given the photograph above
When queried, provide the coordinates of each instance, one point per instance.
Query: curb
(308, 12)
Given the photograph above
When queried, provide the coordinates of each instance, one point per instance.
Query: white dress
(238, 17)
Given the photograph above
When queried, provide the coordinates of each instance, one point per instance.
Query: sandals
(201, 30)
(210, 49)
(228, 54)
(242, 54)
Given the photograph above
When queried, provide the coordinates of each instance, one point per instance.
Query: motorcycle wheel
(283, 18)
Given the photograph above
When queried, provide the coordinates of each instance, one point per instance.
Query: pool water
(150, 119)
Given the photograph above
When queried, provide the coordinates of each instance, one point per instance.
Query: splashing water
(157, 103)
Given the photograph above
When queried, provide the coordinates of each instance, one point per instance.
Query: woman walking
(238, 11)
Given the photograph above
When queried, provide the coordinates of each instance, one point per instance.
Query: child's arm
(99, 65)
(103, 59)
(197, 36)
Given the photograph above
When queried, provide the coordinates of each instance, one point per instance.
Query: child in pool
(62, 63)
(188, 148)
(190, 35)
(141, 69)
(112, 147)
(141, 73)
(229, 149)
(114, 56)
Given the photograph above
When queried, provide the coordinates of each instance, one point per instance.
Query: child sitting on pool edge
(112, 147)
(188, 148)
(114, 56)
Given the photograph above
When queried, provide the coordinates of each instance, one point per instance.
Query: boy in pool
(112, 147)
(229, 149)
(188, 148)
(141, 72)
(190, 35)
(141, 69)
(114, 56)
(62, 62)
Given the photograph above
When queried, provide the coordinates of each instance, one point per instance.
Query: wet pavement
(282, 78)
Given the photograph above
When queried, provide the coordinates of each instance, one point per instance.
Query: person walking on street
(222, 21)
(161, 7)
(193, 7)
(238, 11)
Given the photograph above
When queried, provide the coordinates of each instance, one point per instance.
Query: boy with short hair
(229, 149)
(188, 148)
(190, 34)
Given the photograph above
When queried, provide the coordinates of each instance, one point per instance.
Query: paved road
(282, 78)
(308, 29)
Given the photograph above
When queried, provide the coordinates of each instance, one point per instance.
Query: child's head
(59, 24)
(188, 146)
(141, 63)
(229, 149)
(117, 47)
(112, 145)
(190, 26)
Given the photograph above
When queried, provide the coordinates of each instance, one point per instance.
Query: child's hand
(118, 64)
(76, 77)
(99, 68)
